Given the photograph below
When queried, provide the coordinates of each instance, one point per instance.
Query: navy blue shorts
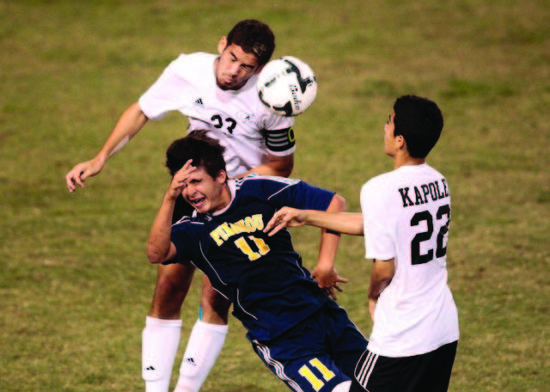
(430, 372)
(318, 354)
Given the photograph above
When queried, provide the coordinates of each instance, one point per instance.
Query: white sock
(160, 342)
(203, 348)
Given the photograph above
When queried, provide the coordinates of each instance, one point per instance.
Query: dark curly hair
(202, 149)
(253, 37)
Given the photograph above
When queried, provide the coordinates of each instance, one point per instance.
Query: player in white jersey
(405, 220)
(217, 93)
(234, 117)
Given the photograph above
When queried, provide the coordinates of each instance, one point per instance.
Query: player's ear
(222, 177)
(222, 44)
(400, 142)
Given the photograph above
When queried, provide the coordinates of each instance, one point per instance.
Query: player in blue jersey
(299, 332)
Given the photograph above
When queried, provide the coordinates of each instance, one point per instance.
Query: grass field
(74, 281)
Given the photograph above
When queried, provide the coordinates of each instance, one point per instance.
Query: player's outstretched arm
(129, 124)
(350, 223)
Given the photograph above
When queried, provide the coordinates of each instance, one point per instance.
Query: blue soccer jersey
(262, 276)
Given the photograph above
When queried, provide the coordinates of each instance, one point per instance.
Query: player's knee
(215, 309)
(215, 302)
(170, 291)
(168, 284)
(173, 283)
(342, 387)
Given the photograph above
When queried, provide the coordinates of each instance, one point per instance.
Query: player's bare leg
(163, 325)
(206, 340)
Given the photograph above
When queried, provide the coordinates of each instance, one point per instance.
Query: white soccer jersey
(406, 216)
(237, 118)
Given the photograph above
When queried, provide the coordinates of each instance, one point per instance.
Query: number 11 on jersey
(243, 245)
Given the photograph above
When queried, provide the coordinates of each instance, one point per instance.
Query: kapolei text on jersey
(433, 189)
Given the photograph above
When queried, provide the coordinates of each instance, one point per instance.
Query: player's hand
(285, 217)
(80, 173)
(179, 181)
(328, 280)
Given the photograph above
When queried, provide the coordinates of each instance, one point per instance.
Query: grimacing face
(234, 67)
(204, 193)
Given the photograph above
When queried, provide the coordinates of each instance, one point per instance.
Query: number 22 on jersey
(443, 213)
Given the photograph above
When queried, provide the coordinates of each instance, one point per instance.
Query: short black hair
(420, 122)
(202, 149)
(253, 37)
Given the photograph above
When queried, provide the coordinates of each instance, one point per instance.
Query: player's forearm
(381, 276)
(372, 306)
(129, 124)
(331, 239)
(376, 288)
(350, 223)
(159, 245)
(328, 249)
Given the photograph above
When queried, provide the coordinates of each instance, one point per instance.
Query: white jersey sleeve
(237, 118)
(406, 216)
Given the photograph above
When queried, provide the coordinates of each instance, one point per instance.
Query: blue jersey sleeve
(182, 235)
(281, 192)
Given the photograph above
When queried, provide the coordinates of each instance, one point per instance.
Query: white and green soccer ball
(287, 86)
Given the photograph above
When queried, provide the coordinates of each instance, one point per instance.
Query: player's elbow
(282, 166)
(155, 255)
(338, 204)
(153, 258)
(284, 170)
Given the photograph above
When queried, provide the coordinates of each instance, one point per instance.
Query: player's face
(389, 138)
(234, 67)
(204, 193)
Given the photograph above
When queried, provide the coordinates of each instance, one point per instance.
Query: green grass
(75, 284)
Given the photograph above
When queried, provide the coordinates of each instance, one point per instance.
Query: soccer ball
(287, 86)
